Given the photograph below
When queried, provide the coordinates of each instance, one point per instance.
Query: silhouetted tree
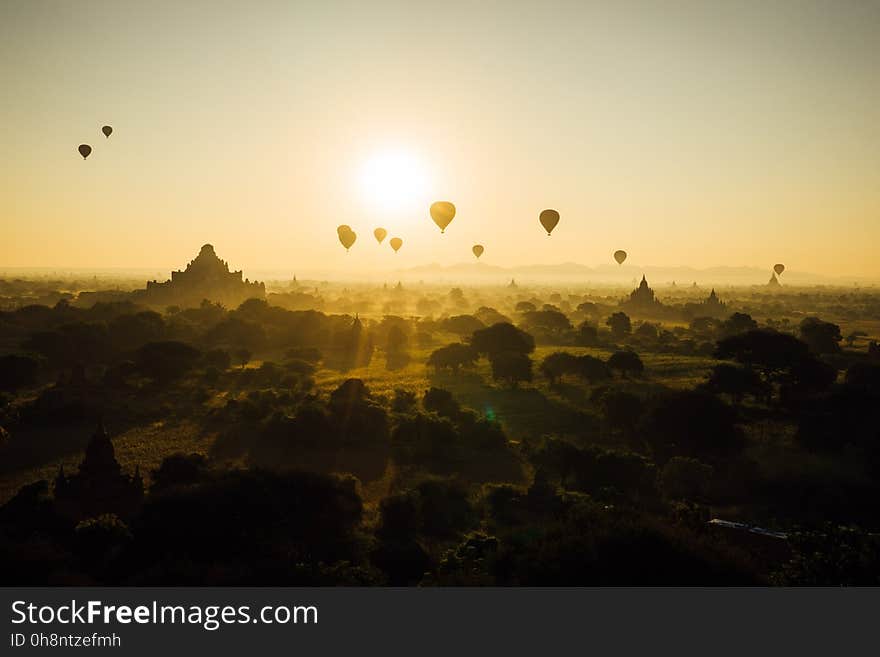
(512, 368)
(501, 338)
(822, 337)
(620, 325)
(557, 365)
(588, 334)
(738, 323)
(453, 356)
(736, 381)
(166, 361)
(627, 363)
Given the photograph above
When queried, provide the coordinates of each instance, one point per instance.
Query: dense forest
(416, 435)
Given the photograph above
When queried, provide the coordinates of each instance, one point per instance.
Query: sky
(698, 133)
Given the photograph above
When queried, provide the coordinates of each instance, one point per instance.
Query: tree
(692, 423)
(766, 350)
(704, 327)
(627, 363)
(738, 323)
(396, 348)
(557, 365)
(525, 307)
(620, 325)
(551, 321)
(441, 402)
(822, 337)
(622, 411)
(453, 356)
(166, 361)
(588, 334)
(461, 324)
(511, 367)
(781, 359)
(592, 369)
(647, 331)
(736, 381)
(501, 338)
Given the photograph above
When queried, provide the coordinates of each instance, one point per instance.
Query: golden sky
(700, 133)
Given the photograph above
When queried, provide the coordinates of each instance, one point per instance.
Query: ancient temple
(713, 305)
(100, 486)
(642, 300)
(205, 277)
(773, 282)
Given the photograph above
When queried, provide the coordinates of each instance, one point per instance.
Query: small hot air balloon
(380, 234)
(342, 229)
(107, 130)
(346, 237)
(478, 250)
(620, 256)
(395, 243)
(85, 150)
(779, 268)
(442, 212)
(549, 219)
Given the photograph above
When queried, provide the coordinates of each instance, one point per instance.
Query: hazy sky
(701, 133)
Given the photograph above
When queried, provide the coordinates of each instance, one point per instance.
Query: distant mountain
(621, 275)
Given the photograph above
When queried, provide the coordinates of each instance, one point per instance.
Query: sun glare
(393, 180)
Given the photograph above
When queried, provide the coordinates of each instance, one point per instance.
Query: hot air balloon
(107, 130)
(342, 229)
(346, 237)
(478, 250)
(380, 234)
(779, 268)
(620, 256)
(442, 212)
(85, 150)
(549, 219)
(395, 243)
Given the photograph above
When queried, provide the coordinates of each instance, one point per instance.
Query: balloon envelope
(84, 150)
(380, 234)
(779, 268)
(347, 237)
(620, 256)
(107, 130)
(549, 219)
(442, 212)
(343, 229)
(395, 243)
(478, 250)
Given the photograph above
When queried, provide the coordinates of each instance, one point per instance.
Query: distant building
(773, 282)
(100, 486)
(642, 300)
(713, 306)
(205, 277)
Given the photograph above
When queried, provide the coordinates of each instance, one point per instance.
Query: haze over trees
(502, 436)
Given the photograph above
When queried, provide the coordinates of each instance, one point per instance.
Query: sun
(393, 180)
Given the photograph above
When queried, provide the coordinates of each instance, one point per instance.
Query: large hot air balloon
(620, 256)
(107, 130)
(380, 234)
(346, 236)
(779, 268)
(478, 250)
(395, 243)
(549, 219)
(85, 150)
(442, 212)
